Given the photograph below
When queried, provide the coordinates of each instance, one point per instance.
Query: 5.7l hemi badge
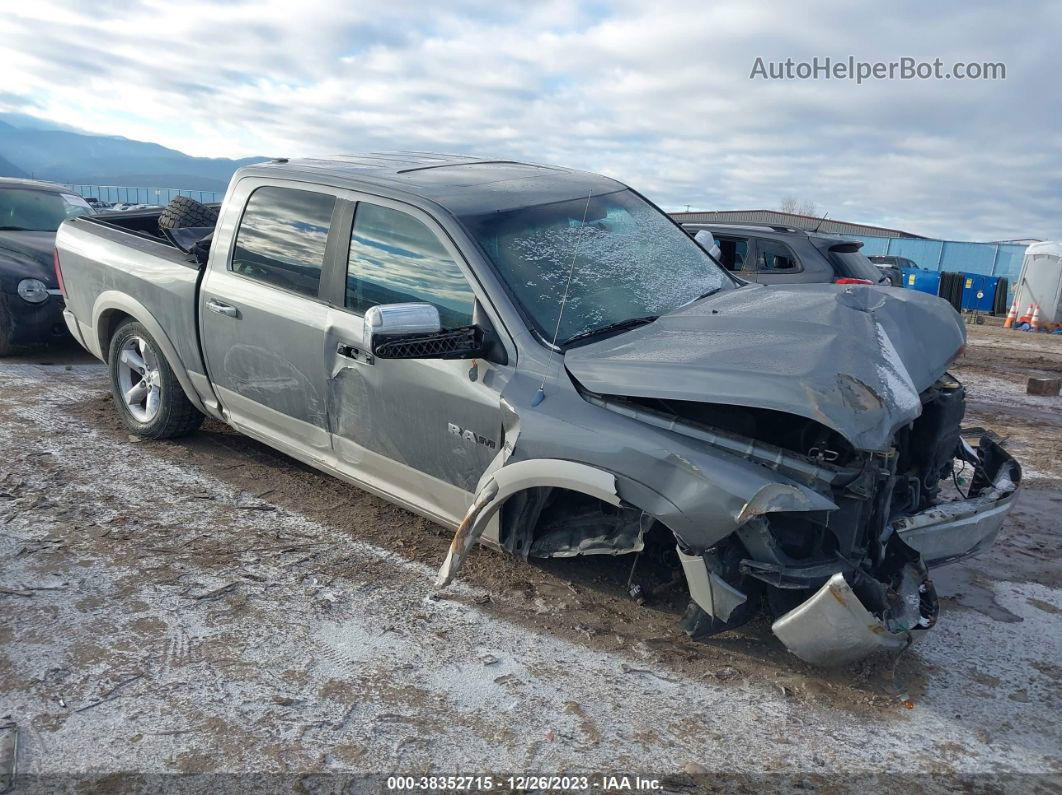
(470, 436)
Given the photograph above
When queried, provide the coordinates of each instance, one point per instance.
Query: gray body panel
(854, 359)
(452, 438)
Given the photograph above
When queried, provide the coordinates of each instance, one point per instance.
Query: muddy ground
(209, 605)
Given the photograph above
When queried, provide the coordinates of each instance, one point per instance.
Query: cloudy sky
(656, 94)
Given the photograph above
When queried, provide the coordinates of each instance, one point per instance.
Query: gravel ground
(211, 606)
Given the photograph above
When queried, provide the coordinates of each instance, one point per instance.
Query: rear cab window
(282, 238)
(395, 258)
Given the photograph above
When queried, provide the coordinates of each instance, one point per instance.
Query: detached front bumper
(833, 627)
(955, 530)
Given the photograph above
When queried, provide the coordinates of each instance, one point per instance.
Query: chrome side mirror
(399, 320)
(414, 331)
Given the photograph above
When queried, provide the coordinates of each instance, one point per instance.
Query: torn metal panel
(710, 591)
(780, 497)
(951, 531)
(834, 628)
(511, 479)
(854, 360)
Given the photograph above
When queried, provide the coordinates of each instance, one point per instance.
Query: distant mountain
(8, 169)
(45, 151)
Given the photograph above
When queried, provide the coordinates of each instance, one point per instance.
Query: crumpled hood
(854, 358)
(27, 255)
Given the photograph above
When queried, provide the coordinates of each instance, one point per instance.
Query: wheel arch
(520, 477)
(111, 309)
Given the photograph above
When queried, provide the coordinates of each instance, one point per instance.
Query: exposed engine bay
(783, 559)
(839, 583)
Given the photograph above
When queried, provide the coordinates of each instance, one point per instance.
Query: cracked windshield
(631, 264)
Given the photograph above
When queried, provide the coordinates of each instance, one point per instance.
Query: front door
(424, 429)
(262, 319)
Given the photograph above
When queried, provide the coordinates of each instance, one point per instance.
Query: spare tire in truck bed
(183, 211)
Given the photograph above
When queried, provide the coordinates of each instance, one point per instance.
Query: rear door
(775, 262)
(423, 430)
(262, 318)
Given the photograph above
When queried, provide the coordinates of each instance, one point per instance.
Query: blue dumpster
(922, 280)
(978, 292)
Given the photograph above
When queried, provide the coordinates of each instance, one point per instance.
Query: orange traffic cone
(1027, 317)
(1012, 314)
(1035, 322)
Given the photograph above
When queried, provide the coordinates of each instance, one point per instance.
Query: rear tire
(182, 212)
(146, 391)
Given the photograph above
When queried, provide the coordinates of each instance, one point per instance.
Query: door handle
(222, 309)
(350, 352)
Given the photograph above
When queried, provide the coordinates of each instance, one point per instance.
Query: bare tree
(792, 204)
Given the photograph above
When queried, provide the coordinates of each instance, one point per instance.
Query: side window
(733, 252)
(282, 236)
(775, 257)
(394, 258)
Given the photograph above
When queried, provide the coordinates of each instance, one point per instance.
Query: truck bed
(112, 259)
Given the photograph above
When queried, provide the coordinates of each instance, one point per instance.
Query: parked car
(31, 308)
(541, 360)
(125, 207)
(892, 267)
(783, 255)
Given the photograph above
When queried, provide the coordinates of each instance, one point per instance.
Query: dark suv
(893, 266)
(783, 255)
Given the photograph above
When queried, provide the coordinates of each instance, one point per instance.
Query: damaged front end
(843, 584)
(769, 510)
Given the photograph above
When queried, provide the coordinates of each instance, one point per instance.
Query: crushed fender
(507, 481)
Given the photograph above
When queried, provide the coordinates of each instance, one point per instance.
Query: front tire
(146, 391)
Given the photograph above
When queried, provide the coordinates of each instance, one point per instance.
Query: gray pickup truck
(540, 359)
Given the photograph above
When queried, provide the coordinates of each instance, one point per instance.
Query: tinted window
(851, 262)
(282, 236)
(733, 251)
(29, 210)
(775, 257)
(394, 258)
(615, 256)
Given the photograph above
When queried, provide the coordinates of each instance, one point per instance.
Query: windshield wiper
(15, 229)
(713, 291)
(620, 325)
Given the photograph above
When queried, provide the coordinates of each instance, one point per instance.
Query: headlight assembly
(33, 290)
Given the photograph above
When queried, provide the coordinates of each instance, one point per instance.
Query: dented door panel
(395, 417)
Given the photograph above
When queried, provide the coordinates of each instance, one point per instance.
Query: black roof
(463, 184)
